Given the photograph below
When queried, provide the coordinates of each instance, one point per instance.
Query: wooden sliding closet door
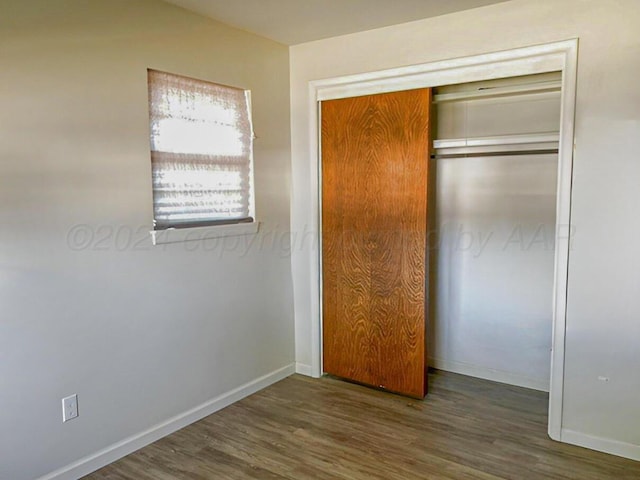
(375, 155)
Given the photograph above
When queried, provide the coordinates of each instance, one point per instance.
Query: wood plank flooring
(303, 428)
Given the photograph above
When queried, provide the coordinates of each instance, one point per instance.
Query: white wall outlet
(69, 408)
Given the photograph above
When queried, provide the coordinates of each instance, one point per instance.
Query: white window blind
(201, 152)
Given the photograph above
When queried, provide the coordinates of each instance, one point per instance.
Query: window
(201, 152)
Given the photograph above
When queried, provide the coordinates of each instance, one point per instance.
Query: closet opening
(440, 252)
(492, 230)
(448, 81)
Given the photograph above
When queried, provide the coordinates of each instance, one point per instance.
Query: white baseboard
(606, 445)
(490, 374)
(129, 445)
(304, 369)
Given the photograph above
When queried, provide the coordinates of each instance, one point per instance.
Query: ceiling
(298, 21)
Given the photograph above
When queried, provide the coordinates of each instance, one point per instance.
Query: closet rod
(495, 154)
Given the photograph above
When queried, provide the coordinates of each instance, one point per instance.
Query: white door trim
(558, 56)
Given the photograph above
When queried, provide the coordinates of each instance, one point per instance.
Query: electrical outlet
(69, 408)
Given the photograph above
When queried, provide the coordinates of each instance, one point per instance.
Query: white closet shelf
(490, 92)
(527, 139)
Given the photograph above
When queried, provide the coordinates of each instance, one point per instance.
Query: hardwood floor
(302, 428)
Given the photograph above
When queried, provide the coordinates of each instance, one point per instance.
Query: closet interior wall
(492, 235)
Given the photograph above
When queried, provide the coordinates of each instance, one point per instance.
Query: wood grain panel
(375, 156)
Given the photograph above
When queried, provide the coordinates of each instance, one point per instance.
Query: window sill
(177, 235)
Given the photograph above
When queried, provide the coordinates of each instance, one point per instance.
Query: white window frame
(205, 232)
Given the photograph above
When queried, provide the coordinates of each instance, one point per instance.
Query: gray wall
(140, 333)
(604, 263)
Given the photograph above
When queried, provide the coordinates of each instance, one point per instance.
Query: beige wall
(140, 333)
(604, 272)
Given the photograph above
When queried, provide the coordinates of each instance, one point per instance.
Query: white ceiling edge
(299, 21)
